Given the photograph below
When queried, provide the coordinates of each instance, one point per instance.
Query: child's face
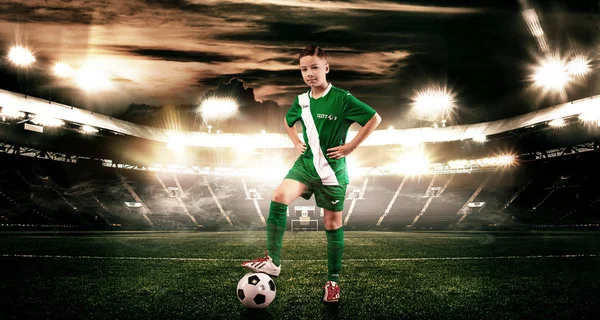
(313, 70)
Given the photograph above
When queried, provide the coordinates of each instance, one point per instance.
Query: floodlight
(480, 138)
(557, 122)
(505, 160)
(47, 121)
(434, 101)
(590, 117)
(218, 108)
(551, 73)
(63, 70)
(20, 56)
(578, 66)
(88, 129)
(11, 113)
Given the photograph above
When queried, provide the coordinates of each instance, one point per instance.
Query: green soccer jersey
(325, 123)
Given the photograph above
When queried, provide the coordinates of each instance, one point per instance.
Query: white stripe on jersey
(322, 167)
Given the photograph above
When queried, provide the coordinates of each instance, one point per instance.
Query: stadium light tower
(551, 73)
(555, 74)
(21, 56)
(579, 66)
(434, 103)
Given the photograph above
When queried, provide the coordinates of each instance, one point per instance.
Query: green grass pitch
(412, 275)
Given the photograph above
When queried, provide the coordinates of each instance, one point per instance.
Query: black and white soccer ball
(256, 290)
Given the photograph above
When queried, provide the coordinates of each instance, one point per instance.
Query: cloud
(351, 5)
(176, 55)
(381, 63)
(172, 52)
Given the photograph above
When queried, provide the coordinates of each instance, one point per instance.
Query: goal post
(304, 225)
(303, 221)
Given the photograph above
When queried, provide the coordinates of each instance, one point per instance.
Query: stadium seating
(40, 193)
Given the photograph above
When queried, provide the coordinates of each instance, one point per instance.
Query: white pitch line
(307, 260)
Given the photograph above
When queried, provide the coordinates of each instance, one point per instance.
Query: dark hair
(311, 51)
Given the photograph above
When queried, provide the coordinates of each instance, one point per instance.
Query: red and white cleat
(332, 292)
(263, 265)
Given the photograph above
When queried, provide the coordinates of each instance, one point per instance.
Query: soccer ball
(256, 290)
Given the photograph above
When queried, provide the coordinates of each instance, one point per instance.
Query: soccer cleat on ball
(256, 290)
(263, 265)
(332, 292)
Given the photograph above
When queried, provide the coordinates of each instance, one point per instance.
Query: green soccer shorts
(327, 197)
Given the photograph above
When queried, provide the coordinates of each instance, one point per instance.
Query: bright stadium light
(391, 128)
(11, 113)
(592, 117)
(20, 56)
(480, 138)
(505, 160)
(92, 80)
(63, 70)
(434, 102)
(500, 161)
(218, 108)
(88, 129)
(551, 73)
(578, 66)
(47, 121)
(557, 123)
(589, 116)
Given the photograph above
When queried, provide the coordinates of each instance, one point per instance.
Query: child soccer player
(326, 113)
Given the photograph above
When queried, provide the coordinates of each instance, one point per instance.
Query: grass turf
(79, 276)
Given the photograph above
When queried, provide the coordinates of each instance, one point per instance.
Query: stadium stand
(62, 179)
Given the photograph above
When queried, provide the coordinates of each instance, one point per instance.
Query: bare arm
(293, 134)
(345, 149)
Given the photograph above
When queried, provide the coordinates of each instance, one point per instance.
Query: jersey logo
(335, 202)
(326, 116)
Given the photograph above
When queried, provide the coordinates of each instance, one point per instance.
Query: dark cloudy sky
(171, 52)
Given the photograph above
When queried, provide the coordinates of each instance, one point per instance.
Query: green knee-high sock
(335, 250)
(275, 229)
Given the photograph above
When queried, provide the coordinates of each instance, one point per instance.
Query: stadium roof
(37, 106)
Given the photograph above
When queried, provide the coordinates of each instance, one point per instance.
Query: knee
(332, 224)
(279, 196)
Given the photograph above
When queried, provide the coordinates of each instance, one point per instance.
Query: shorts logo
(335, 202)
(326, 116)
